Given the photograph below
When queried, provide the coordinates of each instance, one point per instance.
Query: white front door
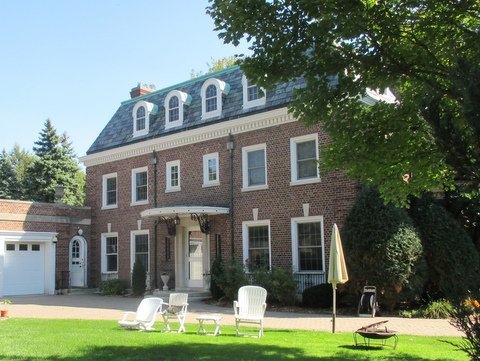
(78, 264)
(194, 263)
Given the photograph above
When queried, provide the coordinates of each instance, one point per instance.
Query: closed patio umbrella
(337, 269)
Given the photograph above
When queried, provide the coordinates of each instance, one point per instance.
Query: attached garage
(27, 263)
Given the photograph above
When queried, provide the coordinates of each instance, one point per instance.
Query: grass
(81, 340)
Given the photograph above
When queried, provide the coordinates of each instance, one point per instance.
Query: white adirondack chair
(250, 307)
(176, 308)
(145, 316)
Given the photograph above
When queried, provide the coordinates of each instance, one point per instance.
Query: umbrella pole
(334, 313)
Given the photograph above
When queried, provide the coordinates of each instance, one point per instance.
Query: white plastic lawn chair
(176, 308)
(250, 307)
(145, 316)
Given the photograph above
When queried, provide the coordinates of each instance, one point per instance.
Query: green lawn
(37, 339)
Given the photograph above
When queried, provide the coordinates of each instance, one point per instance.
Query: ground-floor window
(256, 244)
(308, 244)
(140, 248)
(109, 253)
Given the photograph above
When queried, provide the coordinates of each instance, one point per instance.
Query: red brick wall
(331, 198)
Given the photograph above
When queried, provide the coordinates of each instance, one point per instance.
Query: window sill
(206, 185)
(109, 207)
(256, 188)
(305, 181)
(139, 203)
(171, 190)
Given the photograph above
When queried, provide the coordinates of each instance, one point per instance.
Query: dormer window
(253, 95)
(174, 104)
(141, 115)
(212, 92)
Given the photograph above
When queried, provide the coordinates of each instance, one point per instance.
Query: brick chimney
(141, 89)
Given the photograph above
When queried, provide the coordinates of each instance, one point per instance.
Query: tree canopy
(426, 52)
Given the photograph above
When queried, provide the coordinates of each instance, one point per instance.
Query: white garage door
(24, 268)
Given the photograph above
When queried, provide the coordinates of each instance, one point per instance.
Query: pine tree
(55, 165)
(9, 184)
(21, 161)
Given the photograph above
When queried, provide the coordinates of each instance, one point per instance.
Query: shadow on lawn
(209, 352)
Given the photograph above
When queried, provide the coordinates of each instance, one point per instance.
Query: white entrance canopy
(183, 211)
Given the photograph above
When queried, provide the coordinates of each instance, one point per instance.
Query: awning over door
(170, 215)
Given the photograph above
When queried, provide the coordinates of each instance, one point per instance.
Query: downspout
(155, 236)
(231, 147)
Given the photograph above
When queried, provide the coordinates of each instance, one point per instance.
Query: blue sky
(75, 61)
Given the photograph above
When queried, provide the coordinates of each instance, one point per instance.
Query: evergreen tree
(55, 165)
(21, 161)
(9, 184)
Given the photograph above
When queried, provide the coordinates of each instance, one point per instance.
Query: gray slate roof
(119, 130)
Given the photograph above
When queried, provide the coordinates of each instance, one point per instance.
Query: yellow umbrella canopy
(337, 269)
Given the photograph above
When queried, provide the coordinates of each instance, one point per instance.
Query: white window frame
(245, 226)
(103, 262)
(252, 103)
(222, 90)
(105, 177)
(294, 157)
(183, 99)
(150, 108)
(245, 151)
(135, 171)
(132, 247)
(294, 231)
(168, 176)
(206, 181)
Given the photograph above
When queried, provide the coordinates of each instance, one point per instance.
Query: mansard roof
(119, 130)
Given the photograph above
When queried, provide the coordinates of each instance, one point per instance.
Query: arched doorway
(78, 262)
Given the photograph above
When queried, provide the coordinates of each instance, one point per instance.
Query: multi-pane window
(211, 98)
(254, 166)
(308, 244)
(141, 250)
(109, 197)
(210, 169)
(257, 245)
(173, 176)
(140, 119)
(304, 159)
(173, 109)
(253, 95)
(139, 185)
(310, 252)
(252, 92)
(111, 254)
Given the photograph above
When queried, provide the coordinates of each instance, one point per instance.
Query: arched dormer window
(253, 95)
(141, 116)
(212, 93)
(174, 106)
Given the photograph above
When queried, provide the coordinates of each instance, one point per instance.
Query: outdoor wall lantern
(171, 223)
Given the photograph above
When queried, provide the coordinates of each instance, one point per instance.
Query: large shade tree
(427, 52)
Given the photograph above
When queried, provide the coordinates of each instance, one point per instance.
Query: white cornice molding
(240, 125)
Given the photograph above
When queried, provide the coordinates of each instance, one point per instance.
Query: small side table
(213, 318)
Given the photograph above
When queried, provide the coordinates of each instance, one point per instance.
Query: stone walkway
(81, 306)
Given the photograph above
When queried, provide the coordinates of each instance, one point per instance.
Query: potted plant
(3, 310)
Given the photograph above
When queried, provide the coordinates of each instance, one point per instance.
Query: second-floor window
(304, 159)
(109, 196)
(173, 176)
(210, 170)
(139, 185)
(254, 167)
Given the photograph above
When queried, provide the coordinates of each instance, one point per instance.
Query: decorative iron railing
(306, 280)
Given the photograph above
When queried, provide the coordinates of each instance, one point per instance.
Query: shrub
(319, 296)
(139, 278)
(382, 248)
(466, 318)
(280, 285)
(216, 273)
(438, 309)
(230, 278)
(453, 261)
(111, 287)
